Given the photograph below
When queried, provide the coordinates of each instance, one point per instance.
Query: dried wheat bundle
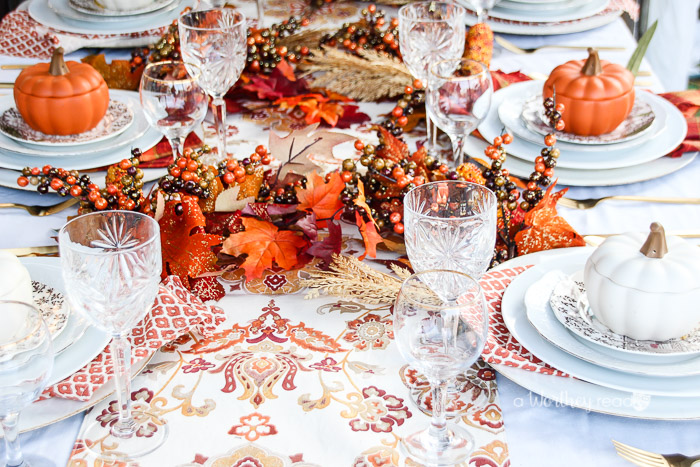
(305, 37)
(350, 278)
(391, 2)
(369, 77)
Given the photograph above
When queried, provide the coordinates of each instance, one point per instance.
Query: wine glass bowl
(430, 32)
(26, 361)
(450, 225)
(111, 265)
(172, 101)
(213, 44)
(440, 323)
(458, 99)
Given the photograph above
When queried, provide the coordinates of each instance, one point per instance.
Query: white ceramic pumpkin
(645, 286)
(15, 285)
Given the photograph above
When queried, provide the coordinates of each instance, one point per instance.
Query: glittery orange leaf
(320, 197)
(369, 235)
(545, 229)
(394, 149)
(264, 243)
(186, 254)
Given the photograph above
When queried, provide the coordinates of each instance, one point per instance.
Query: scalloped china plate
(566, 13)
(117, 120)
(570, 307)
(92, 10)
(541, 316)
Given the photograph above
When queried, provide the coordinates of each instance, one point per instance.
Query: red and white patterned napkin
(22, 36)
(175, 312)
(501, 347)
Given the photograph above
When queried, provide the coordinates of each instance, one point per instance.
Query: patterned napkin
(501, 347)
(175, 313)
(22, 36)
(688, 102)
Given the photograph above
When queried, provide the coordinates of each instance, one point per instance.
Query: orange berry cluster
(497, 177)
(234, 171)
(368, 33)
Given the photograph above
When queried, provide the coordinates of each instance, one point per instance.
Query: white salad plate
(515, 319)
(540, 5)
(665, 140)
(138, 128)
(537, 15)
(570, 306)
(8, 178)
(116, 121)
(576, 392)
(544, 320)
(87, 10)
(87, 346)
(40, 11)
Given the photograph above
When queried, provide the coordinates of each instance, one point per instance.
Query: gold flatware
(51, 250)
(518, 50)
(42, 211)
(650, 459)
(593, 202)
(7, 85)
(14, 67)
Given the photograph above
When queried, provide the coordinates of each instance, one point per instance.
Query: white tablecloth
(538, 435)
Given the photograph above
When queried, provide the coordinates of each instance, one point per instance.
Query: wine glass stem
(10, 428)
(176, 144)
(260, 4)
(438, 424)
(431, 132)
(220, 122)
(458, 149)
(481, 15)
(121, 358)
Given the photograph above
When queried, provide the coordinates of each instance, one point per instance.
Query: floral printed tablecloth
(287, 381)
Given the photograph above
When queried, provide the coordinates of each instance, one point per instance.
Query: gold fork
(651, 459)
(42, 211)
(592, 202)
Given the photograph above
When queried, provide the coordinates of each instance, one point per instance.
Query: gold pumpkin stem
(592, 67)
(58, 65)
(655, 245)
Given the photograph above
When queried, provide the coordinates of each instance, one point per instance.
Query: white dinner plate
(543, 318)
(39, 10)
(539, 5)
(86, 10)
(538, 2)
(8, 178)
(665, 140)
(136, 130)
(536, 15)
(89, 345)
(547, 29)
(581, 394)
(515, 319)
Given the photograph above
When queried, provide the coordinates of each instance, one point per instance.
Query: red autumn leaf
(351, 116)
(369, 235)
(394, 149)
(502, 79)
(264, 243)
(546, 230)
(186, 254)
(325, 248)
(286, 70)
(322, 198)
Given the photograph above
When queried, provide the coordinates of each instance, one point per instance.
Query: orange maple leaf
(369, 235)
(184, 253)
(320, 197)
(547, 230)
(328, 111)
(264, 243)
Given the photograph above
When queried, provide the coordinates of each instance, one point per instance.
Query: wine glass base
(423, 448)
(151, 433)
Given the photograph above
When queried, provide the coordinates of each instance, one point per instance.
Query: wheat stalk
(347, 277)
(305, 37)
(371, 76)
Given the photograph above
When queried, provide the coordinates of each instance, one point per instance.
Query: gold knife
(7, 85)
(595, 240)
(51, 250)
(14, 67)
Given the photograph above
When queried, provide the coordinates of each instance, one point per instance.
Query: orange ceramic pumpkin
(61, 98)
(598, 95)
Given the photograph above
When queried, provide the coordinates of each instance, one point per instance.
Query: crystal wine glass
(458, 99)
(111, 265)
(482, 8)
(430, 32)
(172, 101)
(441, 323)
(450, 225)
(26, 360)
(214, 48)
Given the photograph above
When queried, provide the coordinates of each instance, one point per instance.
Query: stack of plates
(86, 17)
(545, 17)
(632, 153)
(123, 128)
(75, 343)
(544, 310)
